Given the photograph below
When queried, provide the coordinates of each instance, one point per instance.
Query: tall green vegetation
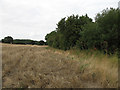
(83, 33)
(108, 24)
(7, 39)
(67, 32)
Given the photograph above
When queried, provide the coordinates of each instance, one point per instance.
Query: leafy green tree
(51, 38)
(41, 42)
(108, 22)
(81, 32)
(2, 40)
(8, 39)
(91, 36)
(70, 29)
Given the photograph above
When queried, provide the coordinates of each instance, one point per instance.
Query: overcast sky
(33, 19)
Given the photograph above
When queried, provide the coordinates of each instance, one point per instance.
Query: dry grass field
(31, 66)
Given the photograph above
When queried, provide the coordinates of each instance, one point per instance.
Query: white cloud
(35, 18)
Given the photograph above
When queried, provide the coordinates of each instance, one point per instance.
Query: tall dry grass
(95, 66)
(35, 67)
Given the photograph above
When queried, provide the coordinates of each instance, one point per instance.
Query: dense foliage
(81, 32)
(9, 39)
(23, 41)
(67, 32)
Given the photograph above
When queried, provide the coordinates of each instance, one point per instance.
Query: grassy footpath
(95, 66)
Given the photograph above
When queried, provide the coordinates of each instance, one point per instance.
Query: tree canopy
(81, 32)
(7, 39)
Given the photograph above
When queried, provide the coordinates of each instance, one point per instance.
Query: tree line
(81, 32)
(10, 40)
